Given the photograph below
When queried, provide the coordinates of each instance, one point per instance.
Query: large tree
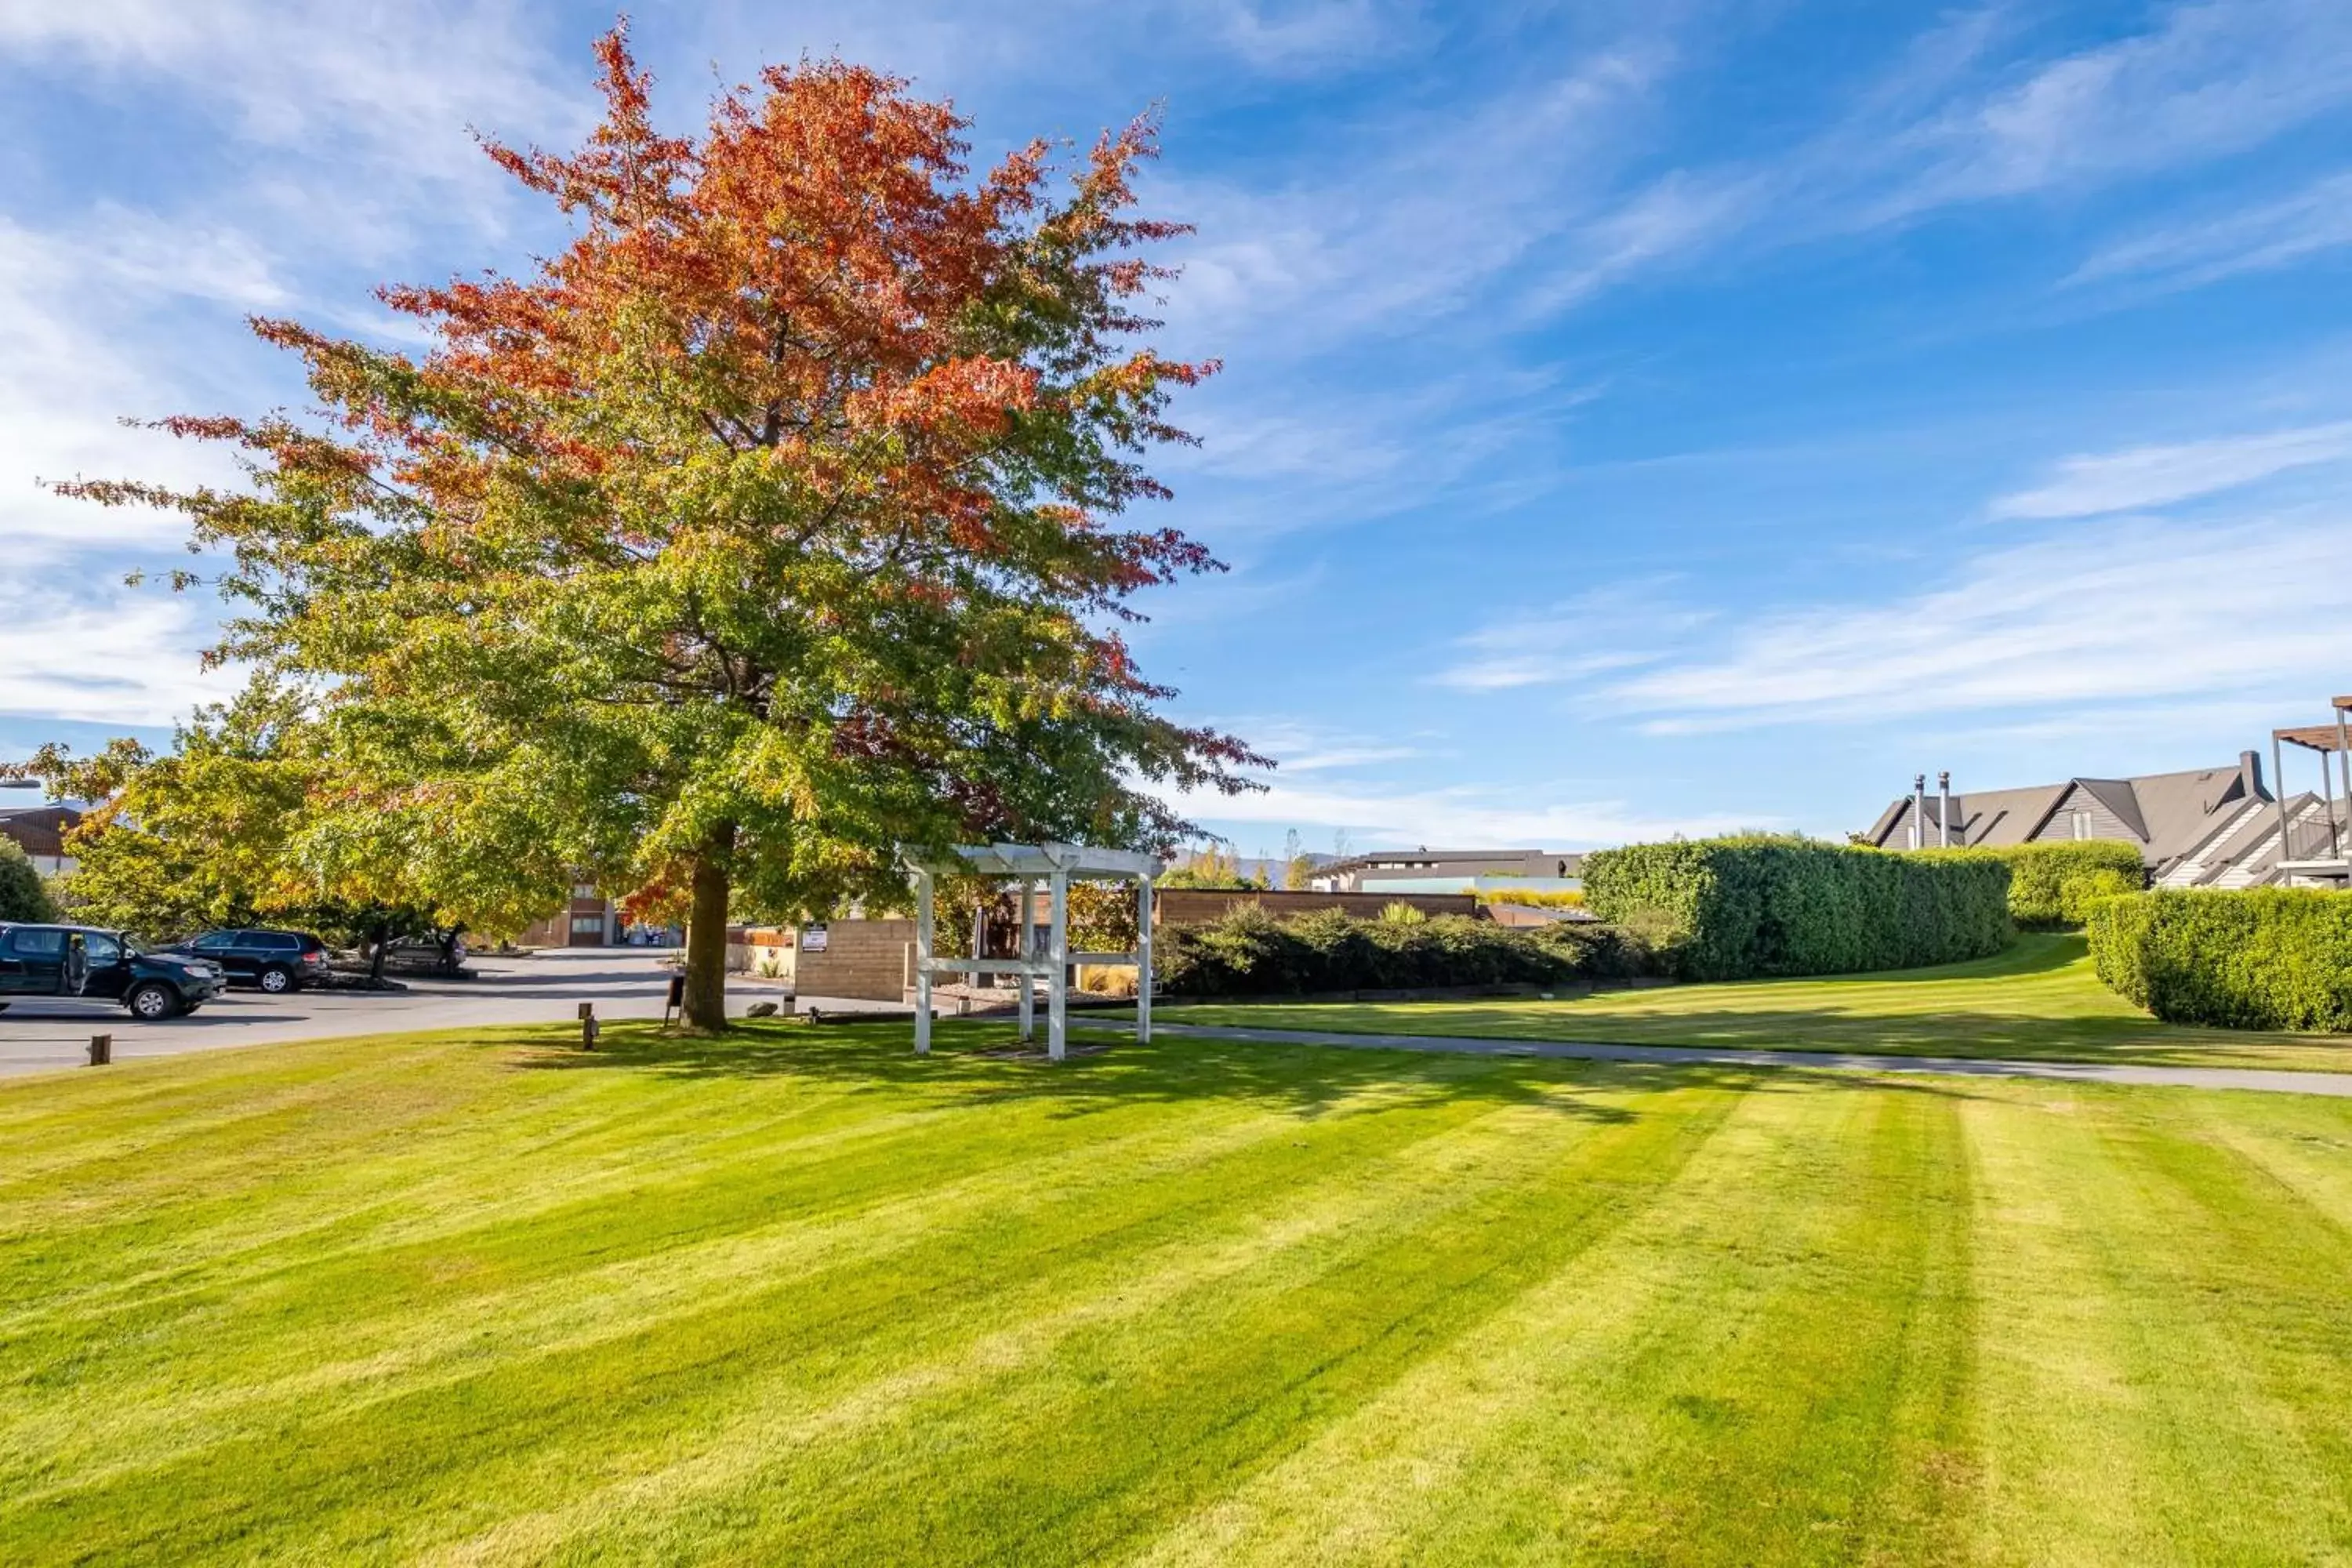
(774, 523)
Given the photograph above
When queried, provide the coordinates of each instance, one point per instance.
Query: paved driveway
(37, 1034)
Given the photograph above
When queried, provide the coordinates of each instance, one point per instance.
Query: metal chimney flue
(1944, 810)
(1919, 811)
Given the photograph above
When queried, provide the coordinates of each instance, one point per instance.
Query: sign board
(813, 938)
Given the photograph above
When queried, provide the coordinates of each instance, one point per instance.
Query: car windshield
(131, 946)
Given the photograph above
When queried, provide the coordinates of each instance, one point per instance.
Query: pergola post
(1143, 961)
(2344, 766)
(2278, 792)
(1057, 956)
(1028, 951)
(923, 944)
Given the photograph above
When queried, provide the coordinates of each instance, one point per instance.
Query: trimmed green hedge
(1727, 909)
(1248, 952)
(2264, 957)
(2052, 886)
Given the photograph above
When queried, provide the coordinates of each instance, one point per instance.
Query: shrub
(1727, 909)
(1536, 898)
(1250, 953)
(2264, 958)
(2052, 886)
(23, 895)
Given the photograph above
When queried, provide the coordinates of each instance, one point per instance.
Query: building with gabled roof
(2168, 816)
(40, 832)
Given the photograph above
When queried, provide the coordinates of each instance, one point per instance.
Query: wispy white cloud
(89, 648)
(2208, 80)
(400, 84)
(2155, 475)
(1954, 124)
(78, 354)
(1622, 627)
(2128, 611)
(1379, 233)
(2259, 237)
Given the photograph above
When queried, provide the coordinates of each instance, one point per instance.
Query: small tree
(1297, 866)
(1211, 867)
(770, 526)
(23, 895)
(253, 817)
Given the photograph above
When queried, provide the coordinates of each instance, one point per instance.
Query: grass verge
(2036, 1001)
(797, 1296)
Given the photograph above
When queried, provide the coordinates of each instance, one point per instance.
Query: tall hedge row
(2052, 886)
(2263, 958)
(1727, 909)
(1248, 952)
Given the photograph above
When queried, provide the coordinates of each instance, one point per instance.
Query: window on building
(2081, 820)
(584, 889)
(582, 924)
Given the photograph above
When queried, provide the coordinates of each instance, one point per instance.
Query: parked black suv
(82, 961)
(277, 961)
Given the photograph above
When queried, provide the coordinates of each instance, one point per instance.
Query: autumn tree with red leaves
(772, 524)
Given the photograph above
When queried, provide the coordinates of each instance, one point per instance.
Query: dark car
(277, 961)
(83, 961)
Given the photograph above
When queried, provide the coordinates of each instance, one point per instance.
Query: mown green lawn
(801, 1298)
(2037, 1001)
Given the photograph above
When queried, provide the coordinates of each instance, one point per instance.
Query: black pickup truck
(102, 965)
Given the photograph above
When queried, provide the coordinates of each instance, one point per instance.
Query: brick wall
(862, 959)
(1198, 906)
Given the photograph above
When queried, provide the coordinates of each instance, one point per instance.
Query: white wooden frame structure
(1026, 865)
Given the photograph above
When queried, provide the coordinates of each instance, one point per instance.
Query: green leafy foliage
(2262, 958)
(257, 815)
(2052, 886)
(23, 895)
(1728, 909)
(1250, 953)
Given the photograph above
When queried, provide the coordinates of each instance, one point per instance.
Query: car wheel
(276, 980)
(153, 1002)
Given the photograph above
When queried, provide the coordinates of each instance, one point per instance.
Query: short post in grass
(101, 1050)
(587, 1026)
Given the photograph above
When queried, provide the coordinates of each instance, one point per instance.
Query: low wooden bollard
(101, 1050)
(587, 1026)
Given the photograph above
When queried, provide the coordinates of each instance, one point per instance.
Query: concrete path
(2329, 1083)
(42, 1034)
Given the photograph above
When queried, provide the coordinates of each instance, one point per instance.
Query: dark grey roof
(2167, 814)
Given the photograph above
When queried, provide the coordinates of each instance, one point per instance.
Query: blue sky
(1637, 417)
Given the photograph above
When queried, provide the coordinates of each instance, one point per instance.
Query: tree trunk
(449, 945)
(706, 935)
(383, 949)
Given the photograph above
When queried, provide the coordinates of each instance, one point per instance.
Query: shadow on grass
(1974, 1035)
(967, 1066)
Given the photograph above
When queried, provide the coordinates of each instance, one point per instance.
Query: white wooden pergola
(1032, 868)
